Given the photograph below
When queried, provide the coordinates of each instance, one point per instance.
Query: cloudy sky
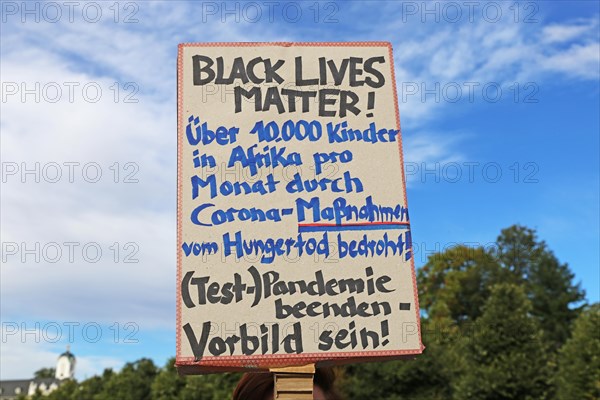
(499, 109)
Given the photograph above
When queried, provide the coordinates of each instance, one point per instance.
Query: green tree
(133, 382)
(549, 284)
(66, 391)
(506, 357)
(578, 374)
(456, 283)
(518, 249)
(426, 377)
(168, 384)
(209, 387)
(91, 388)
(44, 373)
(454, 288)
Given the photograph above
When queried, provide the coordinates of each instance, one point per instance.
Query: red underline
(358, 224)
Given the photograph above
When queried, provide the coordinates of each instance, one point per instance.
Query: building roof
(8, 387)
(67, 354)
(47, 381)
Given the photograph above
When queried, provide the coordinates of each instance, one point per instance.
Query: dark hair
(257, 386)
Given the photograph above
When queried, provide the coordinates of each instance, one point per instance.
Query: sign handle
(294, 383)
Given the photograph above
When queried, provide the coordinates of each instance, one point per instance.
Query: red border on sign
(263, 362)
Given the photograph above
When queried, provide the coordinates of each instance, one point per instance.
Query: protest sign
(293, 236)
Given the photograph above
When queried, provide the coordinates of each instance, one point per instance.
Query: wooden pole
(294, 383)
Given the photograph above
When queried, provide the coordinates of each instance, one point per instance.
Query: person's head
(259, 386)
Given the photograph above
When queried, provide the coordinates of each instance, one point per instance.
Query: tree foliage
(423, 378)
(578, 375)
(468, 295)
(168, 385)
(455, 284)
(44, 373)
(549, 283)
(506, 357)
(133, 382)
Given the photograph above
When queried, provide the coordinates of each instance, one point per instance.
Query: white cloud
(502, 52)
(26, 351)
(581, 61)
(426, 151)
(98, 134)
(560, 33)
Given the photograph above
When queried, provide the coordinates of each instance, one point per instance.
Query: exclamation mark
(385, 331)
(370, 103)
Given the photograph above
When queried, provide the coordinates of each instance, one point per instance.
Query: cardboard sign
(293, 236)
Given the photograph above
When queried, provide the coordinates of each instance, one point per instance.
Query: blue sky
(524, 150)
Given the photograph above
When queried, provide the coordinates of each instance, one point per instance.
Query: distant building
(65, 366)
(65, 369)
